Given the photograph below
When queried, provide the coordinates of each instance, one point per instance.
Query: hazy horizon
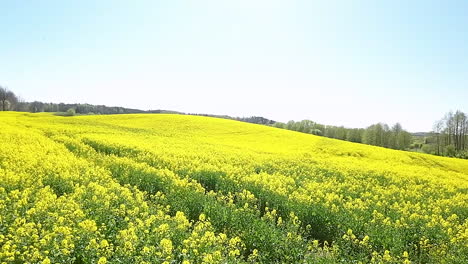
(333, 62)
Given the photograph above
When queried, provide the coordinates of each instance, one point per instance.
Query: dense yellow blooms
(189, 189)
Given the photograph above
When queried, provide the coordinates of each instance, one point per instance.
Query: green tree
(71, 112)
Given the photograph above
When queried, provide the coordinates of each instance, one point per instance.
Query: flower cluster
(191, 189)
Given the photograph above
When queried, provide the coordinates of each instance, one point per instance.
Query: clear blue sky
(349, 63)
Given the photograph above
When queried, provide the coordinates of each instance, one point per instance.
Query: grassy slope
(396, 198)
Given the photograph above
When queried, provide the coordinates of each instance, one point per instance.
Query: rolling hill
(166, 188)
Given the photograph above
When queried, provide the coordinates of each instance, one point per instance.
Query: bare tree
(448, 127)
(438, 129)
(462, 131)
(451, 133)
(7, 99)
(3, 97)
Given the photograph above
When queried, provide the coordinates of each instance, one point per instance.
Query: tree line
(379, 134)
(449, 136)
(8, 99)
(10, 102)
(252, 119)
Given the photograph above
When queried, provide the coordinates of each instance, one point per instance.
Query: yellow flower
(104, 243)
(88, 225)
(387, 256)
(202, 217)
(166, 246)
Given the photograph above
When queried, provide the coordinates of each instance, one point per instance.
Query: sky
(351, 63)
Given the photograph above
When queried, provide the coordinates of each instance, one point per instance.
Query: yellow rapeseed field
(159, 188)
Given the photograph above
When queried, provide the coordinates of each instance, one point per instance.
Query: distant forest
(448, 138)
(10, 102)
(380, 134)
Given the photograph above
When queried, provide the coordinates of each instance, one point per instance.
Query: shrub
(71, 112)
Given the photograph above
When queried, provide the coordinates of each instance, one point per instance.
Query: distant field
(161, 188)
